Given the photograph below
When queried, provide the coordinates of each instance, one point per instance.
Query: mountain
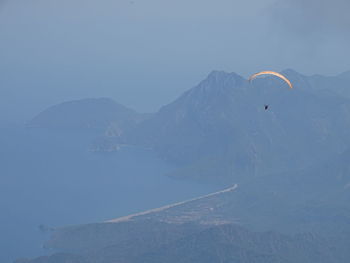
(88, 114)
(220, 130)
(290, 166)
(328, 85)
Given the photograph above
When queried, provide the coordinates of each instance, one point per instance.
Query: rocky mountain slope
(220, 129)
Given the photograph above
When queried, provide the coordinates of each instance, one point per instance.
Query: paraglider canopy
(252, 77)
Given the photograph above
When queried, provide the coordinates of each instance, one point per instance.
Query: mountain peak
(85, 114)
(221, 80)
(291, 72)
(220, 74)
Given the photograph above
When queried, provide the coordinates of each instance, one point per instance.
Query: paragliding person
(254, 76)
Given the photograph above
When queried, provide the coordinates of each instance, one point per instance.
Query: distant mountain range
(290, 167)
(88, 114)
(219, 130)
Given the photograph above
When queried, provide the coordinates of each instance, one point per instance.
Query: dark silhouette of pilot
(266, 107)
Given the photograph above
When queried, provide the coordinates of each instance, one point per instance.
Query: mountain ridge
(222, 120)
(88, 114)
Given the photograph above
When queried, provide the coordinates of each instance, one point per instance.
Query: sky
(144, 54)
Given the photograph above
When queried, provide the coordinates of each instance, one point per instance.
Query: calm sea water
(50, 178)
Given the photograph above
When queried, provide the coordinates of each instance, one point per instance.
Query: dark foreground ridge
(233, 224)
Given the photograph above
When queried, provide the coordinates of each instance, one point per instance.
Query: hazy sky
(145, 53)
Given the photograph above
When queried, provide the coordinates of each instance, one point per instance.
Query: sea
(50, 178)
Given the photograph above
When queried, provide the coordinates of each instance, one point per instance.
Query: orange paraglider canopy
(252, 77)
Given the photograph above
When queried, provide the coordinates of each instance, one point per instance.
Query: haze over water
(50, 178)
